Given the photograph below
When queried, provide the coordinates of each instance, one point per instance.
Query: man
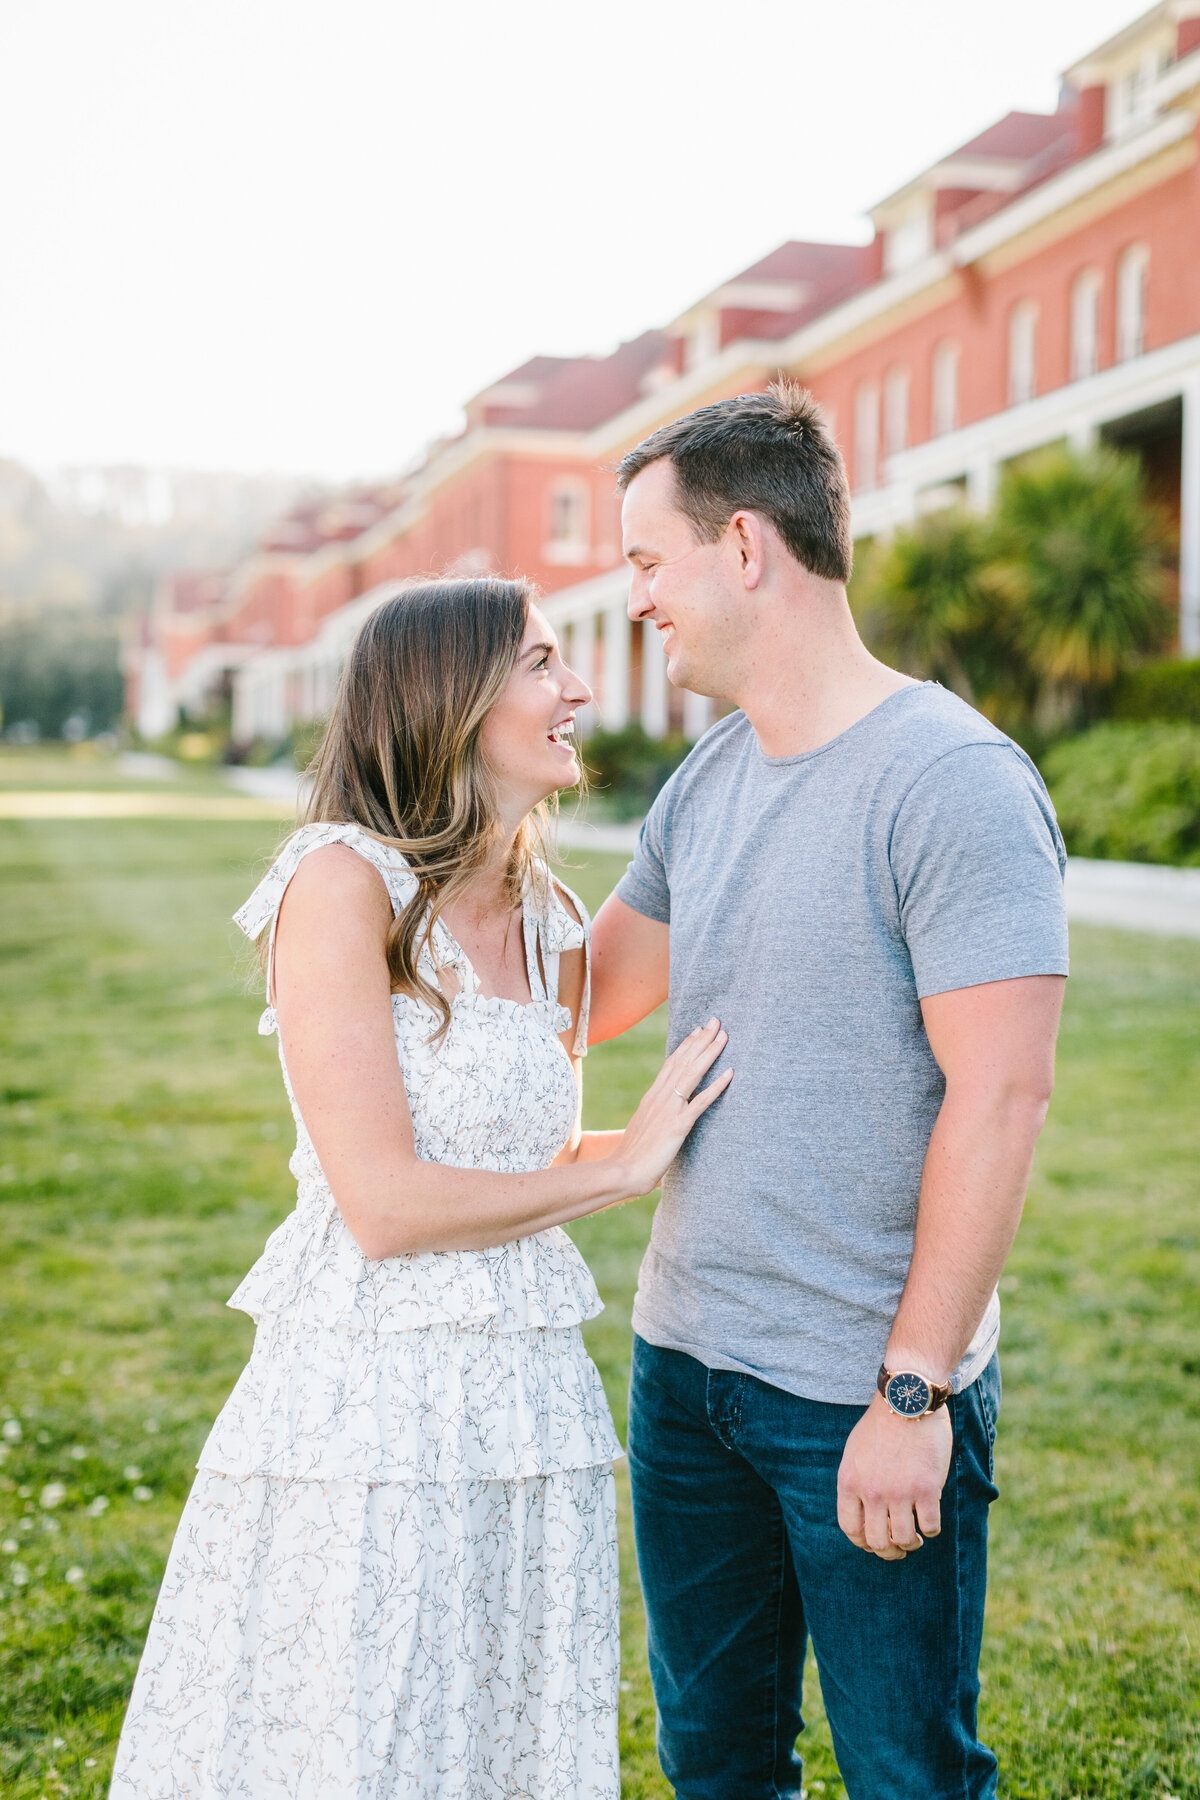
(863, 879)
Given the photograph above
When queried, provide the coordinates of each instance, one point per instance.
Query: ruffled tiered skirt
(396, 1573)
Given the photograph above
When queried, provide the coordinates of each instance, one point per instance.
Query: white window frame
(568, 521)
(866, 436)
(895, 410)
(1133, 268)
(1022, 352)
(943, 381)
(1085, 323)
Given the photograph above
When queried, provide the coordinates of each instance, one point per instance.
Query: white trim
(1074, 408)
(1073, 184)
(586, 598)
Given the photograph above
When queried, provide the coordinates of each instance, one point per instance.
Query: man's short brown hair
(769, 453)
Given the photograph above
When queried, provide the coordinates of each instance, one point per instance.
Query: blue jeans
(742, 1560)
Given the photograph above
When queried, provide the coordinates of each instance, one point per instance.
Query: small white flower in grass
(12, 1430)
(98, 1505)
(132, 1472)
(74, 1573)
(53, 1494)
(57, 1743)
(20, 1575)
(143, 1493)
(151, 1426)
(25, 1525)
(89, 1762)
(77, 1452)
(10, 1546)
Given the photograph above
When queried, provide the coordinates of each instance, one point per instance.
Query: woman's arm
(333, 1003)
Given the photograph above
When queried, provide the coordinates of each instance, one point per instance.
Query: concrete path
(1130, 896)
(1134, 896)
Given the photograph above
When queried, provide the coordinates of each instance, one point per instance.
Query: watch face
(908, 1394)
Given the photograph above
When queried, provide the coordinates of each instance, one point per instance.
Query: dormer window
(1131, 91)
(910, 238)
(704, 340)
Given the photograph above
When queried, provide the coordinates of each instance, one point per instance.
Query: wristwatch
(909, 1394)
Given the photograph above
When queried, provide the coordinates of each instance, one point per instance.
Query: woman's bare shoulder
(336, 878)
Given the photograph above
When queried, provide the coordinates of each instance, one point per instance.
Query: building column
(697, 715)
(614, 693)
(981, 484)
(582, 658)
(1189, 523)
(654, 681)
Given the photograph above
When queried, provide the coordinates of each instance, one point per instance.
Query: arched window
(866, 435)
(895, 411)
(944, 397)
(1085, 323)
(1131, 301)
(1022, 352)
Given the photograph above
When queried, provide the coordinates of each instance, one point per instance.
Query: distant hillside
(98, 538)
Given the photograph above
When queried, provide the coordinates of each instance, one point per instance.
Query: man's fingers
(929, 1512)
(850, 1518)
(875, 1519)
(902, 1528)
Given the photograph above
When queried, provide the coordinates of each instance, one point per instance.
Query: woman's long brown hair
(401, 755)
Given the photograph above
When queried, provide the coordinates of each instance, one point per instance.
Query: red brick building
(1040, 284)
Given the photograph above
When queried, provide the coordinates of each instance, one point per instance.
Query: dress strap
(558, 931)
(261, 910)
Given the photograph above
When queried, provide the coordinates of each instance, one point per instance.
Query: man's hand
(893, 1469)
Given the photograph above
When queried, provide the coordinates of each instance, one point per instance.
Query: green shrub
(1158, 690)
(626, 768)
(1130, 792)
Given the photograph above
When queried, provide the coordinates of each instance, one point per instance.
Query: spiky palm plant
(1081, 552)
(927, 602)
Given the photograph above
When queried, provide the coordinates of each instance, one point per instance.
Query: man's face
(679, 584)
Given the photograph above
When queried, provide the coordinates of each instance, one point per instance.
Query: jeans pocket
(988, 1390)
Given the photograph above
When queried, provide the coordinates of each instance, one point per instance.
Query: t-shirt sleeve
(644, 884)
(978, 864)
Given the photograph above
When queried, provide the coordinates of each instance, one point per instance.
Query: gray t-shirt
(813, 901)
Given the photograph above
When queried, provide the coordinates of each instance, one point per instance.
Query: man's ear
(749, 544)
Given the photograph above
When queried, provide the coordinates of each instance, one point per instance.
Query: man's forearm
(972, 1191)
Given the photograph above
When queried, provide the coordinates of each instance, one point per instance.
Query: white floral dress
(395, 1577)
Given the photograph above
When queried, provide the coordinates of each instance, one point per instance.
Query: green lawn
(142, 1162)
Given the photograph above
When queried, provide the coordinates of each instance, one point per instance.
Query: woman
(396, 1573)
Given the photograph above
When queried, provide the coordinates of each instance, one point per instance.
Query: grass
(142, 1163)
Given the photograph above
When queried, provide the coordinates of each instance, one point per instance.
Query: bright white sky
(297, 234)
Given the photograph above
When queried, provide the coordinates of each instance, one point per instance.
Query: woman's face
(528, 735)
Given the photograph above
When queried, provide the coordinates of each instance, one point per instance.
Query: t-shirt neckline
(800, 756)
